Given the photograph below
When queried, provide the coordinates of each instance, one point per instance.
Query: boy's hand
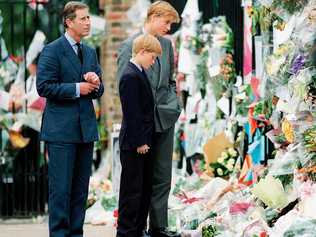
(143, 149)
(92, 77)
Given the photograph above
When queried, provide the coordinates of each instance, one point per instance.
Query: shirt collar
(71, 41)
(136, 64)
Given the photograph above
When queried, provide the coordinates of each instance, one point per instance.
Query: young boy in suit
(136, 137)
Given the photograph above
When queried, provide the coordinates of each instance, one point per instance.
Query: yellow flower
(288, 131)
(250, 11)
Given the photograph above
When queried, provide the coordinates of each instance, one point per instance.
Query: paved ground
(40, 230)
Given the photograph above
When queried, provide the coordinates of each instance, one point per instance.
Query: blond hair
(70, 9)
(164, 9)
(147, 43)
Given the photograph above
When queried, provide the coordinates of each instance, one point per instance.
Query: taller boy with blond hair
(160, 16)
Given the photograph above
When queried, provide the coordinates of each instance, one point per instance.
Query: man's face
(161, 25)
(148, 59)
(80, 26)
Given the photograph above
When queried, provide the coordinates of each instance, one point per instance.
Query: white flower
(230, 166)
(232, 152)
(220, 160)
(224, 155)
(231, 162)
(219, 171)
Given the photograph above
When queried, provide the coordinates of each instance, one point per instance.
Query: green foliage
(109, 203)
(202, 72)
(209, 231)
(263, 107)
(291, 6)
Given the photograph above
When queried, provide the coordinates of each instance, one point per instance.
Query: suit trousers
(162, 168)
(69, 170)
(135, 193)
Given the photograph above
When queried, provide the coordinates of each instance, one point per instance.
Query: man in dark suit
(136, 138)
(160, 16)
(69, 76)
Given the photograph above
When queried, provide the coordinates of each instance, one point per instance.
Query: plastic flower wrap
(307, 205)
(221, 35)
(284, 163)
(271, 192)
(298, 84)
(304, 32)
(266, 3)
(301, 228)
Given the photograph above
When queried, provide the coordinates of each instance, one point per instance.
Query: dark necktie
(79, 52)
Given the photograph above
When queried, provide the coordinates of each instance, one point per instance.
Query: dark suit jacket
(67, 118)
(137, 102)
(167, 106)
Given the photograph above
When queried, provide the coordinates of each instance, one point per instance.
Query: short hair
(147, 43)
(70, 9)
(164, 9)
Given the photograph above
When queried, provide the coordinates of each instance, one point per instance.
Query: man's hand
(87, 87)
(92, 77)
(143, 149)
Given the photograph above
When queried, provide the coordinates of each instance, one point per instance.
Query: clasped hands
(143, 149)
(92, 82)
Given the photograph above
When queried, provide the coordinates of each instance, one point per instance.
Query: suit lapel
(71, 56)
(86, 59)
(160, 62)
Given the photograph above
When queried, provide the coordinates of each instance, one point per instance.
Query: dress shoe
(163, 232)
(146, 234)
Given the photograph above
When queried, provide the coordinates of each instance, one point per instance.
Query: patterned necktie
(79, 52)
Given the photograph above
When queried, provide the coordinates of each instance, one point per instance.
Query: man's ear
(68, 22)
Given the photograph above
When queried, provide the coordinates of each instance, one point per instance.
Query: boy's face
(147, 59)
(161, 25)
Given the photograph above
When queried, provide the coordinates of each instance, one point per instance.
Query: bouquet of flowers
(271, 192)
(225, 163)
(277, 65)
(228, 70)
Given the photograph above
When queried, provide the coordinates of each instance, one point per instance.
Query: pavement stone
(41, 230)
